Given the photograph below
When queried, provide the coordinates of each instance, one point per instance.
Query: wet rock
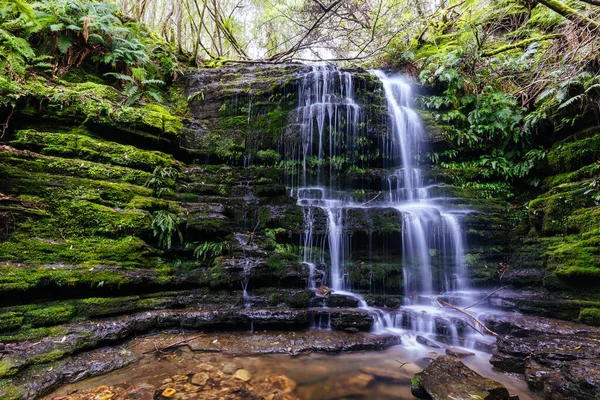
(200, 379)
(243, 375)
(484, 347)
(386, 375)
(206, 367)
(180, 378)
(427, 342)
(229, 368)
(459, 353)
(275, 385)
(142, 392)
(447, 376)
(560, 366)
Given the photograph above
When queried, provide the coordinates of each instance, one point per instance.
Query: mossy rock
(590, 316)
(26, 247)
(584, 220)
(577, 259)
(54, 315)
(569, 156)
(548, 214)
(100, 306)
(34, 162)
(300, 299)
(10, 320)
(151, 118)
(85, 147)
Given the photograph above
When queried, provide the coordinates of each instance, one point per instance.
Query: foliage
(208, 250)
(165, 225)
(162, 180)
(137, 87)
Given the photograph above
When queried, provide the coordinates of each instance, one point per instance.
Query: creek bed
(266, 357)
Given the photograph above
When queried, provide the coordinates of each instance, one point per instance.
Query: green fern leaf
(64, 43)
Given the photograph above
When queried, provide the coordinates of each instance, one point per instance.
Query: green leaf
(64, 43)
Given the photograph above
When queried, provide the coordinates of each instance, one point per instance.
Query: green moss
(10, 320)
(34, 250)
(584, 220)
(98, 306)
(548, 213)
(49, 316)
(577, 258)
(32, 162)
(570, 156)
(27, 278)
(581, 174)
(7, 369)
(49, 357)
(151, 118)
(10, 392)
(83, 218)
(85, 147)
(590, 316)
(301, 299)
(28, 333)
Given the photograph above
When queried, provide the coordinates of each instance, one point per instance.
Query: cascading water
(331, 127)
(427, 227)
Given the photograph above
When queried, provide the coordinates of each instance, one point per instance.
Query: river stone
(200, 378)
(243, 375)
(447, 376)
(427, 342)
(458, 353)
(229, 368)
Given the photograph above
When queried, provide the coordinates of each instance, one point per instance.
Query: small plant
(165, 224)
(163, 179)
(208, 250)
(139, 87)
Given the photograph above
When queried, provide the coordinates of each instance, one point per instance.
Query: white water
(330, 123)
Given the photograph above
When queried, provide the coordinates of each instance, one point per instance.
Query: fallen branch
(522, 43)
(367, 202)
(402, 364)
(479, 301)
(172, 344)
(473, 326)
(460, 310)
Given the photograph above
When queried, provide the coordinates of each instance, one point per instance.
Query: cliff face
(111, 211)
(89, 201)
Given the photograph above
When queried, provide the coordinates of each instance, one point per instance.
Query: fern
(165, 225)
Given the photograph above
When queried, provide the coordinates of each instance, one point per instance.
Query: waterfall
(427, 229)
(330, 122)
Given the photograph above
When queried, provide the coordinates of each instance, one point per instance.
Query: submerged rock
(427, 342)
(459, 353)
(447, 377)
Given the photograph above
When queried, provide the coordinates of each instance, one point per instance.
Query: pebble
(200, 379)
(243, 375)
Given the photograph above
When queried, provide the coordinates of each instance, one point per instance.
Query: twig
(470, 315)
(367, 202)
(479, 301)
(402, 364)
(5, 124)
(472, 326)
(172, 344)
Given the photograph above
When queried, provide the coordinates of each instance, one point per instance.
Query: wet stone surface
(448, 378)
(559, 359)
